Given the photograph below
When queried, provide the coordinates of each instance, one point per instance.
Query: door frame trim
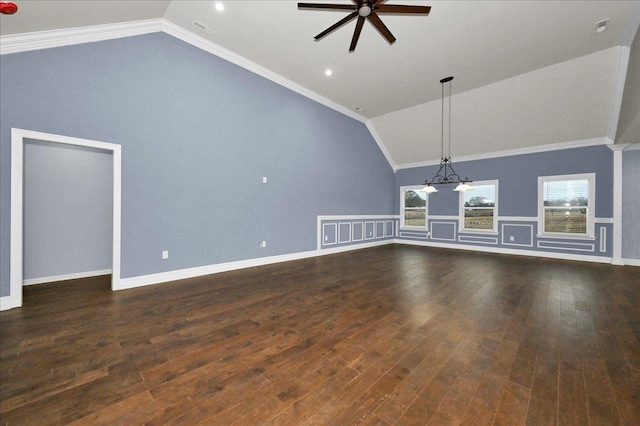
(18, 137)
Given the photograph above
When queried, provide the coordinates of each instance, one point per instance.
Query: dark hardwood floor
(390, 335)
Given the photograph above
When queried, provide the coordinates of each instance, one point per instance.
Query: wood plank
(417, 336)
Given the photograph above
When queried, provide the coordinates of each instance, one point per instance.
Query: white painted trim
(415, 188)
(517, 151)
(622, 63)
(217, 50)
(455, 226)
(631, 146)
(381, 145)
(162, 277)
(16, 43)
(348, 240)
(326, 233)
(358, 217)
(509, 243)
(414, 234)
(373, 229)
(517, 218)
(43, 280)
(353, 231)
(603, 239)
(6, 303)
(558, 245)
(462, 208)
(386, 227)
(617, 204)
(17, 187)
(631, 262)
(517, 252)
(334, 250)
(603, 220)
(477, 239)
(591, 182)
(442, 217)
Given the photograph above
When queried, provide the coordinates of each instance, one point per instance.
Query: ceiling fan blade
(325, 6)
(356, 33)
(375, 20)
(397, 8)
(336, 25)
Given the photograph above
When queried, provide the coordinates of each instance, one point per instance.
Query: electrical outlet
(165, 254)
(262, 244)
(511, 238)
(264, 179)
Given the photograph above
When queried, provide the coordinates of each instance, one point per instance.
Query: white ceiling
(478, 42)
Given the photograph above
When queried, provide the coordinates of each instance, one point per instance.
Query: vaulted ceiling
(527, 73)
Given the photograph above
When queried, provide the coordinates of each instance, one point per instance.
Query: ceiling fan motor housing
(364, 10)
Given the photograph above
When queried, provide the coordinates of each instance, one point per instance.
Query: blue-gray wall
(518, 197)
(631, 204)
(68, 210)
(197, 134)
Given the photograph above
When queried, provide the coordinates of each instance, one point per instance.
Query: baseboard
(516, 252)
(181, 274)
(6, 303)
(631, 262)
(42, 280)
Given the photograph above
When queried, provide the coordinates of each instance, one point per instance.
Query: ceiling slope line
(633, 25)
(518, 151)
(620, 78)
(17, 43)
(217, 50)
(381, 145)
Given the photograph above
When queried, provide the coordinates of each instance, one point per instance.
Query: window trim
(403, 189)
(461, 209)
(591, 179)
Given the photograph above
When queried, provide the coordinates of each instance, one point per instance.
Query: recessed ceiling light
(601, 26)
(328, 72)
(219, 6)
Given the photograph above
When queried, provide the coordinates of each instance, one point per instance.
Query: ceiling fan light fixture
(364, 10)
(429, 189)
(463, 187)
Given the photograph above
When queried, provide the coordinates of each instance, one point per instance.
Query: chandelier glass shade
(446, 174)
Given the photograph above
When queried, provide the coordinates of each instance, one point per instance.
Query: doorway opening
(18, 137)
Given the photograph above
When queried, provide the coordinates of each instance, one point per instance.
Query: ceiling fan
(365, 9)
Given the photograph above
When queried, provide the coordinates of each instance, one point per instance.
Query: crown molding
(625, 147)
(217, 50)
(518, 151)
(17, 43)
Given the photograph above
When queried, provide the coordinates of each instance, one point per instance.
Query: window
(566, 205)
(413, 207)
(479, 207)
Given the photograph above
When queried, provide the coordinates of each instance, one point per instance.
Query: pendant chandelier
(446, 174)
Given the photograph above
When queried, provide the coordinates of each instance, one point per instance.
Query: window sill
(566, 237)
